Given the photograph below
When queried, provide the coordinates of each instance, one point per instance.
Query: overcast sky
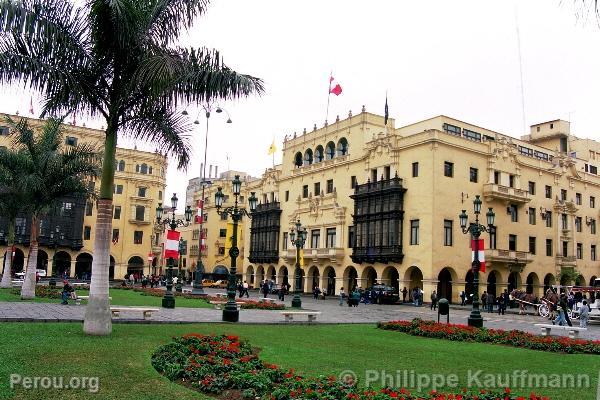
(458, 58)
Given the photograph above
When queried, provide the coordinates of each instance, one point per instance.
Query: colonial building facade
(381, 204)
(67, 235)
(217, 229)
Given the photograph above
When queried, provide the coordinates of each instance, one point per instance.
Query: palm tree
(49, 172)
(117, 60)
(12, 200)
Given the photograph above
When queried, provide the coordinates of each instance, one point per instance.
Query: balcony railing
(499, 192)
(264, 256)
(378, 186)
(566, 261)
(508, 256)
(334, 254)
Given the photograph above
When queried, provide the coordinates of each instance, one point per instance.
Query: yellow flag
(272, 148)
(301, 259)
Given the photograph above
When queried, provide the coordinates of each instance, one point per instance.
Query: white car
(41, 273)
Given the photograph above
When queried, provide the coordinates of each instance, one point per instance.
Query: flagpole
(328, 96)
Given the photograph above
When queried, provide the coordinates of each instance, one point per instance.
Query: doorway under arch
(283, 276)
(329, 280)
(18, 262)
(62, 264)
(444, 286)
(83, 266)
(313, 277)
(350, 278)
(42, 260)
(531, 283)
(549, 281)
(368, 278)
(250, 275)
(391, 277)
(414, 277)
(469, 286)
(492, 279)
(135, 266)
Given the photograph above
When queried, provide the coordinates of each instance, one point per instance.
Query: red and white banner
(199, 212)
(172, 245)
(203, 241)
(481, 254)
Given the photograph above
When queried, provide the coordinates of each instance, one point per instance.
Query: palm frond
(167, 18)
(165, 129)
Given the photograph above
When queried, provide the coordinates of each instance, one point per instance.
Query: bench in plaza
(266, 300)
(221, 295)
(17, 281)
(146, 312)
(289, 315)
(573, 330)
(218, 304)
(79, 298)
(186, 291)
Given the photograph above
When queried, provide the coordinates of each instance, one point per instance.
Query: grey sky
(458, 58)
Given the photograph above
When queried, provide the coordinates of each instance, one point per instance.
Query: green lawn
(122, 361)
(119, 298)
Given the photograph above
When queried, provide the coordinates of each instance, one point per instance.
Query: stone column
(72, 269)
(429, 285)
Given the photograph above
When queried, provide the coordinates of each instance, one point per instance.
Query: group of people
(560, 315)
(146, 280)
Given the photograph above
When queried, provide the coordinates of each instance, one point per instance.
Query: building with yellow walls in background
(380, 204)
(67, 235)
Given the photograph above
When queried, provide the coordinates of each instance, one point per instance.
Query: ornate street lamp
(231, 312)
(475, 229)
(169, 299)
(299, 243)
(197, 286)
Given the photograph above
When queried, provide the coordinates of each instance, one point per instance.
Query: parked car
(41, 273)
(388, 294)
(221, 284)
(20, 275)
(207, 282)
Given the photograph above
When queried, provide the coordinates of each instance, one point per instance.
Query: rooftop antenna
(520, 70)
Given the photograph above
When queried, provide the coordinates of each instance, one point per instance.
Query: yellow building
(138, 188)
(381, 204)
(218, 229)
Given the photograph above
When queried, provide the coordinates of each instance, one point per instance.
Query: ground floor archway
(350, 279)
(414, 277)
(111, 268)
(549, 281)
(329, 280)
(314, 277)
(492, 279)
(283, 276)
(444, 286)
(83, 266)
(514, 281)
(135, 266)
(42, 260)
(391, 277)
(368, 277)
(271, 273)
(62, 264)
(18, 262)
(469, 286)
(531, 283)
(250, 275)
(260, 275)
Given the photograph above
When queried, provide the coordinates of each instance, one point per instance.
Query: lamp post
(230, 312)
(299, 243)
(179, 286)
(150, 258)
(169, 299)
(475, 229)
(197, 286)
(54, 243)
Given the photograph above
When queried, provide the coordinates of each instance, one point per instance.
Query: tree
(50, 171)
(117, 60)
(12, 200)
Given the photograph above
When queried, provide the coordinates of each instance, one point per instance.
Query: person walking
(265, 289)
(501, 305)
(404, 293)
(434, 300)
(584, 315)
(560, 318)
(484, 300)
(563, 303)
(490, 302)
(462, 297)
(245, 289)
(342, 295)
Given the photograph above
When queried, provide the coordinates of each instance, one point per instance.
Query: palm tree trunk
(28, 288)
(7, 274)
(97, 319)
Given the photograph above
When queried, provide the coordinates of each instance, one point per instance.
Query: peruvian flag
(199, 212)
(202, 241)
(481, 253)
(172, 245)
(334, 87)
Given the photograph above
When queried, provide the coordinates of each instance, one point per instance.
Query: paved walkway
(331, 313)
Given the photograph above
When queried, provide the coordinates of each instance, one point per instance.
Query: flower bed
(463, 333)
(42, 291)
(251, 304)
(157, 292)
(225, 366)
